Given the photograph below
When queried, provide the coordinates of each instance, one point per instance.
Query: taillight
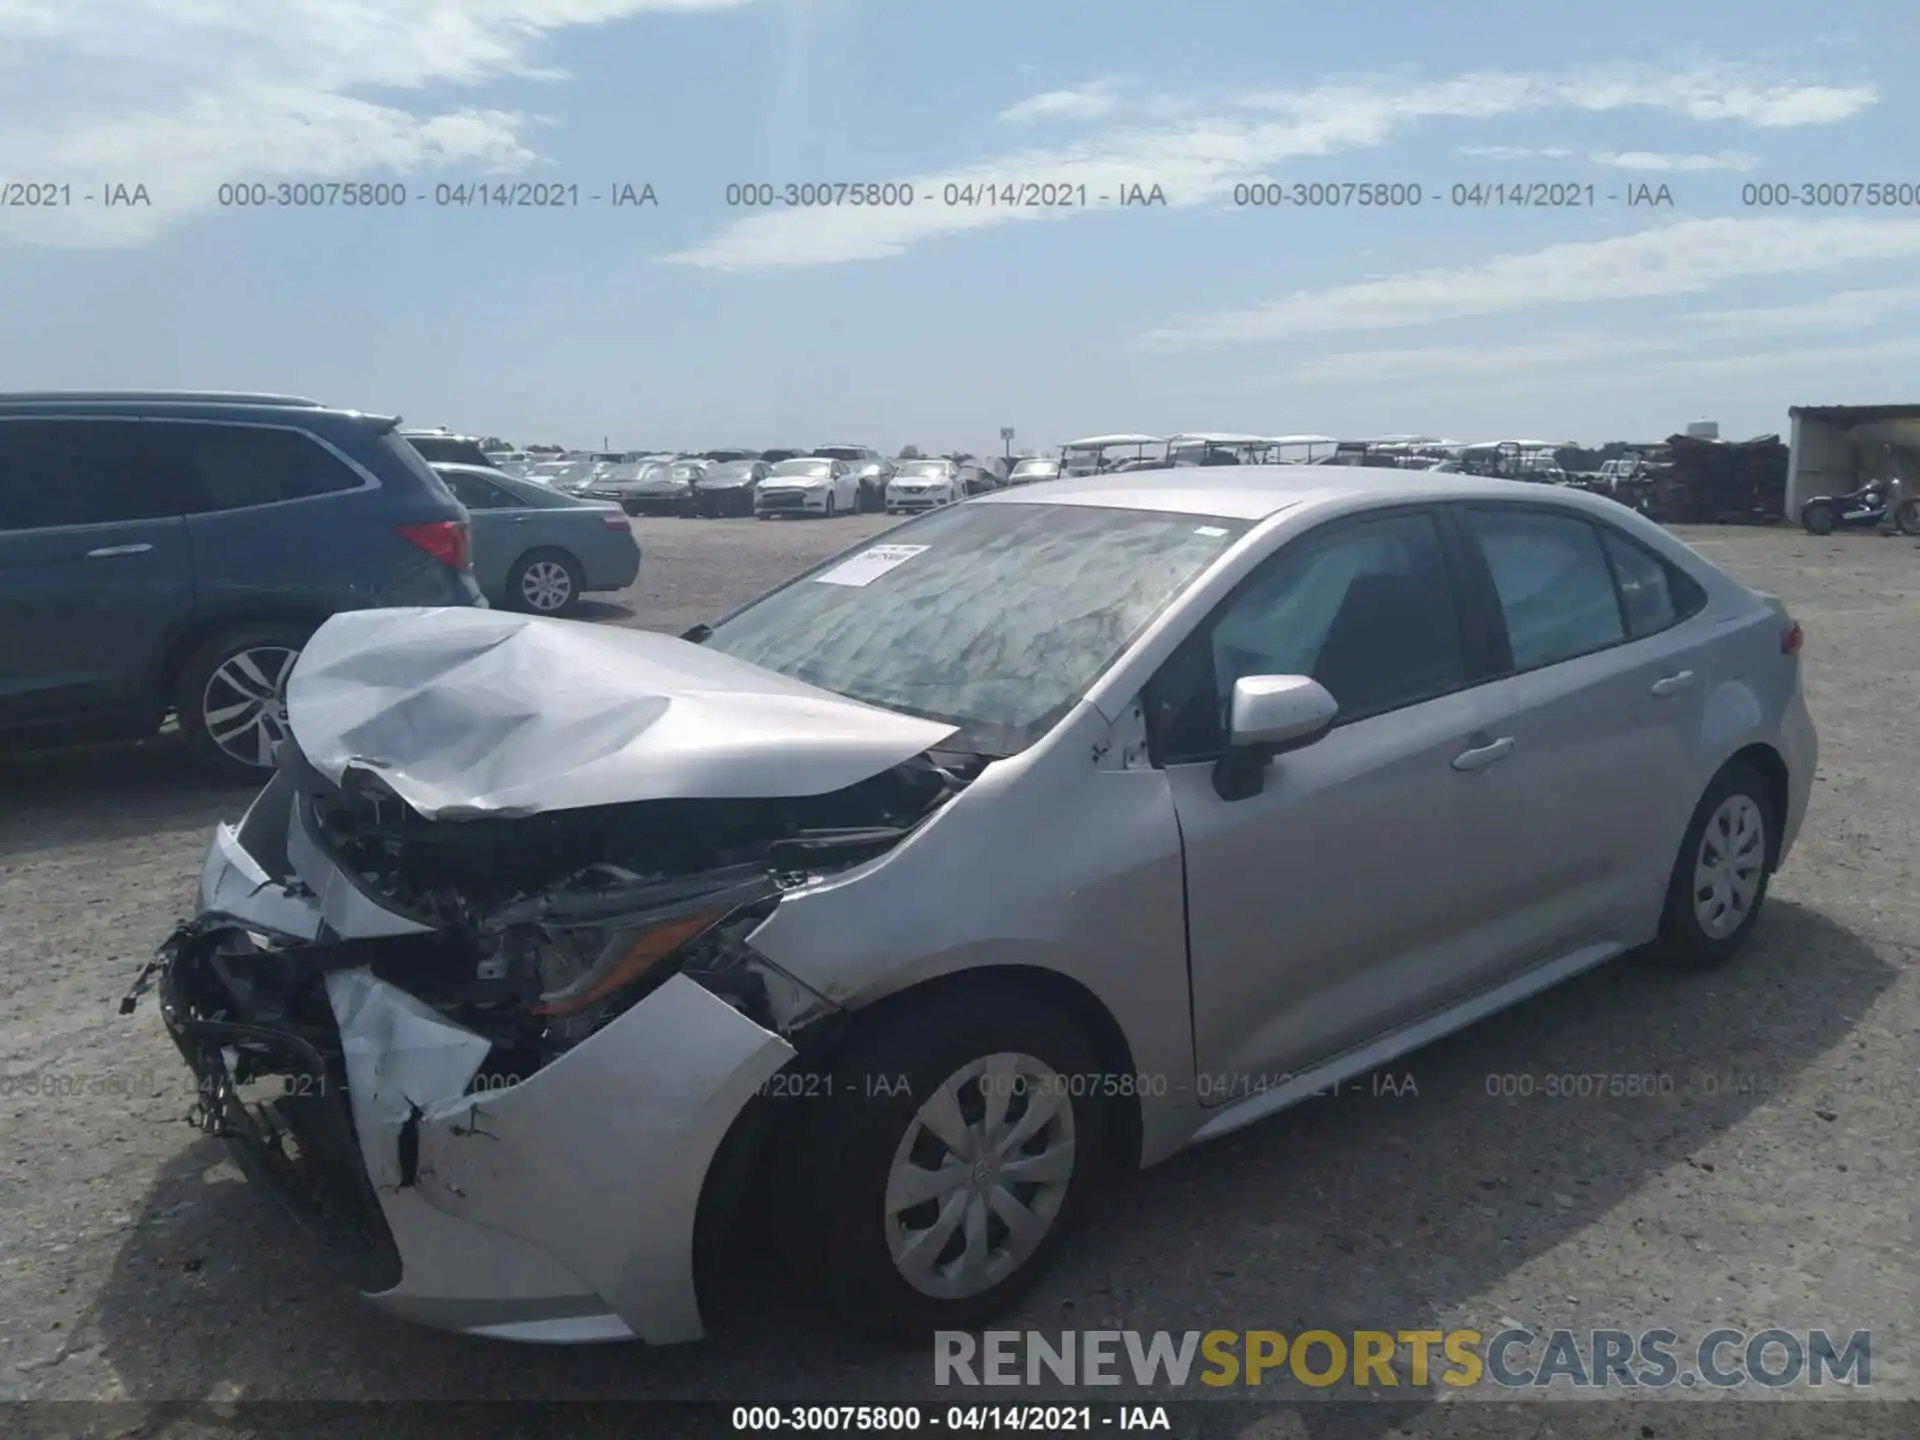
(444, 540)
(1793, 638)
(616, 522)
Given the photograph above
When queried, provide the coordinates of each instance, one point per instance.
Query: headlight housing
(586, 953)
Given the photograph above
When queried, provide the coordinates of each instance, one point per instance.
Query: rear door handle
(1482, 756)
(519, 519)
(1673, 684)
(108, 551)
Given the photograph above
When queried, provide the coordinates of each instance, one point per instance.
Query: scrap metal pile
(1714, 482)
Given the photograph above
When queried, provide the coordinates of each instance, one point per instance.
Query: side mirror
(1269, 715)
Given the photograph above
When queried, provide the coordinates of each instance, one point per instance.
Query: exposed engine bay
(529, 934)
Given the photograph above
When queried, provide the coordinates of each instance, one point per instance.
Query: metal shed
(1838, 448)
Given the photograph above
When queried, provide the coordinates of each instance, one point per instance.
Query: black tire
(838, 1151)
(547, 562)
(1684, 943)
(1906, 517)
(203, 704)
(1817, 518)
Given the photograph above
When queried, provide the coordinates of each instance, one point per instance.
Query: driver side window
(1367, 610)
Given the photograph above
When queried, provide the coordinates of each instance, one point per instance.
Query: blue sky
(693, 323)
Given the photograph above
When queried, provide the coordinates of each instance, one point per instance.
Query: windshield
(735, 470)
(924, 468)
(1035, 467)
(994, 618)
(803, 467)
(841, 452)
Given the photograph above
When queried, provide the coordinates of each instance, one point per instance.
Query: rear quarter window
(1655, 594)
(237, 467)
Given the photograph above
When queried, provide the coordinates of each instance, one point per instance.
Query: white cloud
(1654, 160)
(1090, 101)
(1511, 152)
(183, 95)
(1198, 156)
(1682, 258)
(1588, 350)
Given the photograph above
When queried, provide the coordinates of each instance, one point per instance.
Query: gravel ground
(1774, 1185)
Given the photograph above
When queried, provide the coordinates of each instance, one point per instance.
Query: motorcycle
(1864, 509)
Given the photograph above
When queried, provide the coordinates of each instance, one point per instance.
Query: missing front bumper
(555, 1207)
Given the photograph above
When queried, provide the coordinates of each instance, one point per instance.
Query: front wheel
(1906, 518)
(949, 1154)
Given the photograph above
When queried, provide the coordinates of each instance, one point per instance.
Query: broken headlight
(594, 948)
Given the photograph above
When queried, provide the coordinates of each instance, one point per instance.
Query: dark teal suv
(168, 553)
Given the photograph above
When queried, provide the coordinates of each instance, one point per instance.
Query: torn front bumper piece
(554, 1207)
(591, 1169)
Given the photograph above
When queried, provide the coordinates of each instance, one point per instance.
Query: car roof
(1254, 492)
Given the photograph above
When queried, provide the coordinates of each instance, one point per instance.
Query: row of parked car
(166, 554)
(825, 481)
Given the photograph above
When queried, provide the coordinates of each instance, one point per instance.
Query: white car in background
(924, 485)
(808, 485)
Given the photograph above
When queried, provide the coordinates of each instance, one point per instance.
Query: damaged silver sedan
(1050, 835)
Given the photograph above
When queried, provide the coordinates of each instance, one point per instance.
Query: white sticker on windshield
(1208, 530)
(869, 565)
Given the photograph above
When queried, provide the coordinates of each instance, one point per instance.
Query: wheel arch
(1771, 767)
(164, 678)
(750, 1151)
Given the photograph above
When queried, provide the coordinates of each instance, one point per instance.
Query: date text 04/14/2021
(907, 1419)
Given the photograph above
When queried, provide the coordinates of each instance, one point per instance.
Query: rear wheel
(231, 699)
(935, 1178)
(1817, 518)
(545, 582)
(1719, 879)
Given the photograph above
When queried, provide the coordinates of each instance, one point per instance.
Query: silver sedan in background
(1046, 836)
(807, 485)
(924, 485)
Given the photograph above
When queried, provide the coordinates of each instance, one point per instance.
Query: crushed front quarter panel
(598, 1159)
(467, 713)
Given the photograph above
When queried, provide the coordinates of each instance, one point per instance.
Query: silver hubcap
(546, 586)
(980, 1176)
(1727, 872)
(245, 703)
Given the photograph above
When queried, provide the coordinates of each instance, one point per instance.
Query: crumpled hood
(468, 713)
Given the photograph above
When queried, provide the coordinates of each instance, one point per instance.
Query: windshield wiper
(697, 634)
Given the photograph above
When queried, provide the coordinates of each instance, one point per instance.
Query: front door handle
(107, 551)
(1480, 757)
(1673, 684)
(519, 519)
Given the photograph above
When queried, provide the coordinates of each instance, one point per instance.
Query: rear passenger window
(233, 467)
(1555, 586)
(81, 472)
(1654, 594)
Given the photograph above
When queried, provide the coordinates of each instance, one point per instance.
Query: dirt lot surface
(1772, 1183)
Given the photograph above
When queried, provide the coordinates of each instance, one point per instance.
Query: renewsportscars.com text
(1384, 1359)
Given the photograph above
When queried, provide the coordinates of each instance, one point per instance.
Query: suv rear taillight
(445, 540)
(616, 522)
(1792, 639)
